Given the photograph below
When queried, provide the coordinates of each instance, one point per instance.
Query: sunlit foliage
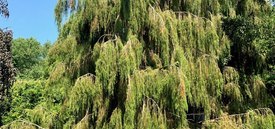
(147, 64)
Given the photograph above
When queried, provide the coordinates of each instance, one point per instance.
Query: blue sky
(32, 18)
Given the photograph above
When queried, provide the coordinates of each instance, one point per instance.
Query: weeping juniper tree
(6, 66)
(146, 64)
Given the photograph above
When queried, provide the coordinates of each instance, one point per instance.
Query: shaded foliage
(7, 71)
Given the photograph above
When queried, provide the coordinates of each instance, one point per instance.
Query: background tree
(6, 66)
(7, 71)
(29, 57)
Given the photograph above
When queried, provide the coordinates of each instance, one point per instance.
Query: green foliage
(162, 90)
(85, 98)
(145, 64)
(29, 58)
(106, 67)
(232, 92)
(260, 118)
(20, 124)
(28, 90)
(26, 53)
(130, 57)
(245, 57)
(57, 85)
(25, 94)
(251, 43)
(151, 118)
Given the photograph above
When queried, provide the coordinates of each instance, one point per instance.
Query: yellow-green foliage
(157, 87)
(43, 114)
(85, 97)
(259, 118)
(115, 120)
(140, 63)
(231, 87)
(258, 91)
(25, 94)
(207, 84)
(151, 116)
(107, 66)
(20, 124)
(130, 57)
(83, 124)
(58, 84)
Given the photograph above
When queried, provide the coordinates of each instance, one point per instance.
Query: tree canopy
(155, 64)
(29, 57)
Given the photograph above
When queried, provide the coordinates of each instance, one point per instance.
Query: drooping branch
(24, 122)
(259, 111)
